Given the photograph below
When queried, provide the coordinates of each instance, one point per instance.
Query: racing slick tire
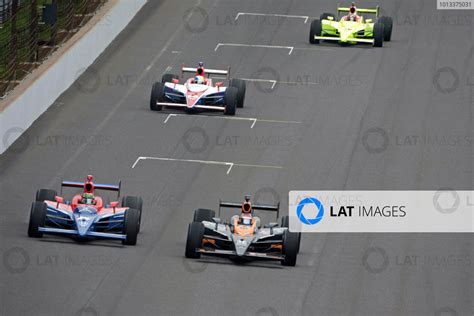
(230, 100)
(241, 88)
(134, 202)
(315, 29)
(325, 16)
(285, 222)
(168, 78)
(378, 34)
(194, 240)
(387, 27)
(45, 195)
(37, 219)
(202, 214)
(290, 249)
(157, 95)
(131, 226)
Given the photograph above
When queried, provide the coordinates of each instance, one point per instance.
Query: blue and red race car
(86, 216)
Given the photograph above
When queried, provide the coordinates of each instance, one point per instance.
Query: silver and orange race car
(243, 237)
(199, 92)
(86, 216)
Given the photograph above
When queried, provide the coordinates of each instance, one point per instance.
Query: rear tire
(168, 78)
(325, 16)
(131, 226)
(315, 30)
(45, 195)
(194, 240)
(378, 34)
(290, 249)
(241, 88)
(230, 100)
(135, 203)
(37, 219)
(387, 27)
(202, 214)
(157, 95)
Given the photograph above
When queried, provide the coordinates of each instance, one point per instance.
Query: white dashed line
(230, 165)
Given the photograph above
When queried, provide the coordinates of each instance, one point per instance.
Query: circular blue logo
(310, 221)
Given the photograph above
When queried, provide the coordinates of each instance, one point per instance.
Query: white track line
(305, 17)
(290, 48)
(249, 119)
(206, 162)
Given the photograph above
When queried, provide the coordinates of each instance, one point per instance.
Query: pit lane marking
(305, 17)
(230, 165)
(249, 119)
(290, 48)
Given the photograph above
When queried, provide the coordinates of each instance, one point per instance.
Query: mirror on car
(59, 199)
(175, 81)
(114, 204)
(330, 18)
(218, 84)
(217, 220)
(368, 20)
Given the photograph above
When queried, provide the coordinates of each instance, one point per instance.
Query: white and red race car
(198, 93)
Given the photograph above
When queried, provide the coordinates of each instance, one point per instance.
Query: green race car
(352, 28)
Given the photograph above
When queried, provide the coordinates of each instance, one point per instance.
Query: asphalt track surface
(356, 118)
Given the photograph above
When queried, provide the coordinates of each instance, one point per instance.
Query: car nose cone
(83, 223)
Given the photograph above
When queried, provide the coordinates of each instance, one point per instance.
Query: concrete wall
(59, 72)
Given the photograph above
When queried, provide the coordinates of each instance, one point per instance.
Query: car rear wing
(209, 72)
(257, 207)
(375, 10)
(97, 186)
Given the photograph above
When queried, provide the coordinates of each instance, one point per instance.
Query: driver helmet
(246, 219)
(88, 198)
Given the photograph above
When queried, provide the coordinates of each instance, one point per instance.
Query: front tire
(45, 195)
(230, 100)
(378, 34)
(194, 240)
(37, 219)
(239, 84)
(290, 249)
(315, 30)
(285, 222)
(157, 95)
(134, 202)
(387, 27)
(131, 226)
